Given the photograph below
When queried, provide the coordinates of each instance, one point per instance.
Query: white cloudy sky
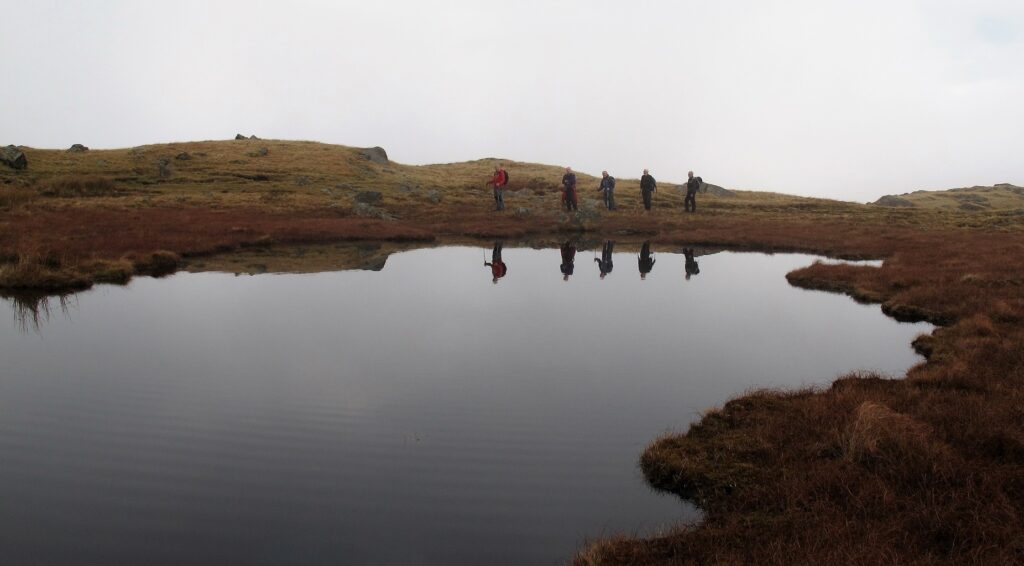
(847, 99)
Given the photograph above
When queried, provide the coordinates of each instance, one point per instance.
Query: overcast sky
(846, 100)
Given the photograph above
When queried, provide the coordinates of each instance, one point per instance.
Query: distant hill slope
(1003, 196)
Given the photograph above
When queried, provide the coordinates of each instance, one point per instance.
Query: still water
(420, 414)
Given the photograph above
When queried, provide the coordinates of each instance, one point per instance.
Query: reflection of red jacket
(498, 269)
(499, 178)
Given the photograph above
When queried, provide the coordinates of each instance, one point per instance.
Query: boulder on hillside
(240, 137)
(374, 154)
(13, 157)
(369, 197)
(890, 200)
(77, 148)
(253, 137)
(183, 156)
(717, 191)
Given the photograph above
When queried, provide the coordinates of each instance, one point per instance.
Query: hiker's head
(497, 168)
(690, 174)
(568, 169)
(604, 173)
(645, 172)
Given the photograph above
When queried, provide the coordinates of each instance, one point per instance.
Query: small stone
(261, 152)
(434, 196)
(183, 156)
(522, 212)
(302, 181)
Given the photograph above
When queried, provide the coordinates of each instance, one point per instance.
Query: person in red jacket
(499, 180)
(498, 267)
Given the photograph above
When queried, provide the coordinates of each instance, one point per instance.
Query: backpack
(505, 184)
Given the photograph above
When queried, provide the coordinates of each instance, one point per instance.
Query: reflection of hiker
(691, 264)
(644, 260)
(605, 263)
(499, 180)
(569, 190)
(647, 187)
(608, 188)
(568, 260)
(692, 186)
(498, 267)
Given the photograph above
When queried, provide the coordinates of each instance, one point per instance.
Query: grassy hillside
(971, 199)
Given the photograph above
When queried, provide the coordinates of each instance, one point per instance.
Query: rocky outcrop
(369, 197)
(894, 201)
(375, 155)
(13, 157)
(717, 191)
(240, 137)
(183, 156)
(77, 148)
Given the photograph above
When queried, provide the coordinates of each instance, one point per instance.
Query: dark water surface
(416, 415)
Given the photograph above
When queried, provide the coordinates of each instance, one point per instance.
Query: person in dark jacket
(499, 180)
(608, 188)
(647, 188)
(498, 267)
(568, 260)
(691, 264)
(605, 263)
(645, 261)
(692, 186)
(569, 190)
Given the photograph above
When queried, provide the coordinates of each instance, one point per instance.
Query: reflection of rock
(13, 158)
(347, 256)
(374, 154)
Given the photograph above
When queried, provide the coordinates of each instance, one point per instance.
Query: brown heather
(927, 469)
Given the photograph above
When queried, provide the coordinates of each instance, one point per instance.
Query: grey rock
(261, 152)
(183, 156)
(13, 157)
(890, 200)
(715, 190)
(77, 148)
(374, 154)
(434, 196)
(240, 137)
(368, 197)
(365, 210)
(163, 168)
(522, 212)
(253, 137)
(302, 181)
(101, 162)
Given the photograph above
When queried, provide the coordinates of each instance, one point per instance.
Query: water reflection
(498, 267)
(691, 263)
(605, 262)
(645, 261)
(568, 259)
(33, 310)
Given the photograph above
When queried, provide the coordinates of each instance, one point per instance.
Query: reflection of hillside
(33, 310)
(302, 259)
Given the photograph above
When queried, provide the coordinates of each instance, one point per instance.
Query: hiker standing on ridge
(645, 261)
(569, 190)
(647, 187)
(608, 188)
(499, 180)
(498, 268)
(692, 186)
(605, 263)
(568, 260)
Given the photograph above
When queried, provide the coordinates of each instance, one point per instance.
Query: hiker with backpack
(647, 187)
(608, 188)
(568, 260)
(605, 263)
(569, 190)
(498, 267)
(645, 261)
(499, 180)
(692, 186)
